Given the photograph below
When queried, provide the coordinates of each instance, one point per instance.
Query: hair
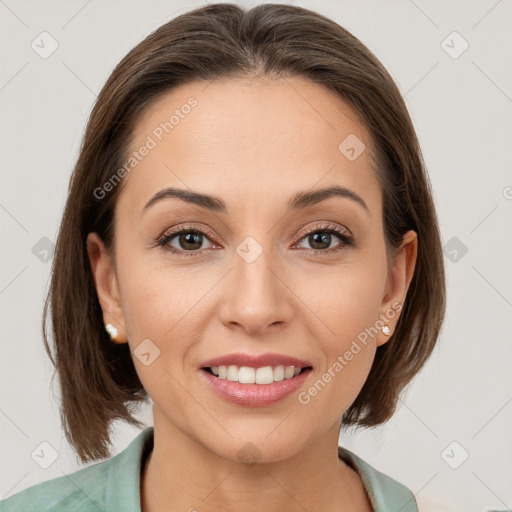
(98, 381)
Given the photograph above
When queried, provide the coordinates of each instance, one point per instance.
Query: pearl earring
(385, 329)
(112, 331)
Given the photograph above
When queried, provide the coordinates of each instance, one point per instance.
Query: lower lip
(254, 395)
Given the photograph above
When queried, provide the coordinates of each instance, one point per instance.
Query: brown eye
(188, 241)
(321, 239)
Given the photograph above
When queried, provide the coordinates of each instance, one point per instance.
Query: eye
(320, 239)
(190, 240)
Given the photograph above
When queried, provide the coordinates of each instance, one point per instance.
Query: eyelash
(331, 229)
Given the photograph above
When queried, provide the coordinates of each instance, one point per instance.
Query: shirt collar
(385, 493)
(124, 478)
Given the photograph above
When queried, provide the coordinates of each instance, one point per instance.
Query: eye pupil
(321, 238)
(190, 238)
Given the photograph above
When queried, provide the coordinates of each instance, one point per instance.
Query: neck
(183, 474)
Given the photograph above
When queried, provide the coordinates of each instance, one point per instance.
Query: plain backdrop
(450, 437)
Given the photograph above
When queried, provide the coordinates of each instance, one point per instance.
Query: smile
(267, 391)
(249, 375)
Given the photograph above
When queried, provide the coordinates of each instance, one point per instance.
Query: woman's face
(253, 284)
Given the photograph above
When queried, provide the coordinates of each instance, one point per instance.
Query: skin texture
(254, 144)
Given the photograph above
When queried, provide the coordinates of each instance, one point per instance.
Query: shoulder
(108, 485)
(82, 490)
(385, 493)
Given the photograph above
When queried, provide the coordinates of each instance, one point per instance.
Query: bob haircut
(98, 381)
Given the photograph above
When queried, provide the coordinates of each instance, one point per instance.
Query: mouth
(260, 386)
(263, 375)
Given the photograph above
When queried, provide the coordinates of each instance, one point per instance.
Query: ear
(398, 281)
(105, 279)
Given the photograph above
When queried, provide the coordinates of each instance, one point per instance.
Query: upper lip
(255, 361)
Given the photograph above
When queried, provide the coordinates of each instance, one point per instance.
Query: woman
(249, 241)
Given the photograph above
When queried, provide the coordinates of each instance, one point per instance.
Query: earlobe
(105, 280)
(398, 282)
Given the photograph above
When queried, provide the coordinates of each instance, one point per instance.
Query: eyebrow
(298, 201)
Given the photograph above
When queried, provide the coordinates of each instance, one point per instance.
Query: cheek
(345, 301)
(154, 296)
(157, 310)
(165, 306)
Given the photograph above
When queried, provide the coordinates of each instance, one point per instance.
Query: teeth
(232, 373)
(278, 373)
(248, 375)
(264, 375)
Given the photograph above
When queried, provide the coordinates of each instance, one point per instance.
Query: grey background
(462, 111)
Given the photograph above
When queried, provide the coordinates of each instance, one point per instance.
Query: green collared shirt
(114, 485)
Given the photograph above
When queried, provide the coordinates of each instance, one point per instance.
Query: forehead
(240, 138)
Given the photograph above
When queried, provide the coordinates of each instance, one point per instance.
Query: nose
(256, 296)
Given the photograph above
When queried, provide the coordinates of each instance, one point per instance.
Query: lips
(254, 395)
(255, 361)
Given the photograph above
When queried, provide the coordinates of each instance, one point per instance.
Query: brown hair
(98, 380)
